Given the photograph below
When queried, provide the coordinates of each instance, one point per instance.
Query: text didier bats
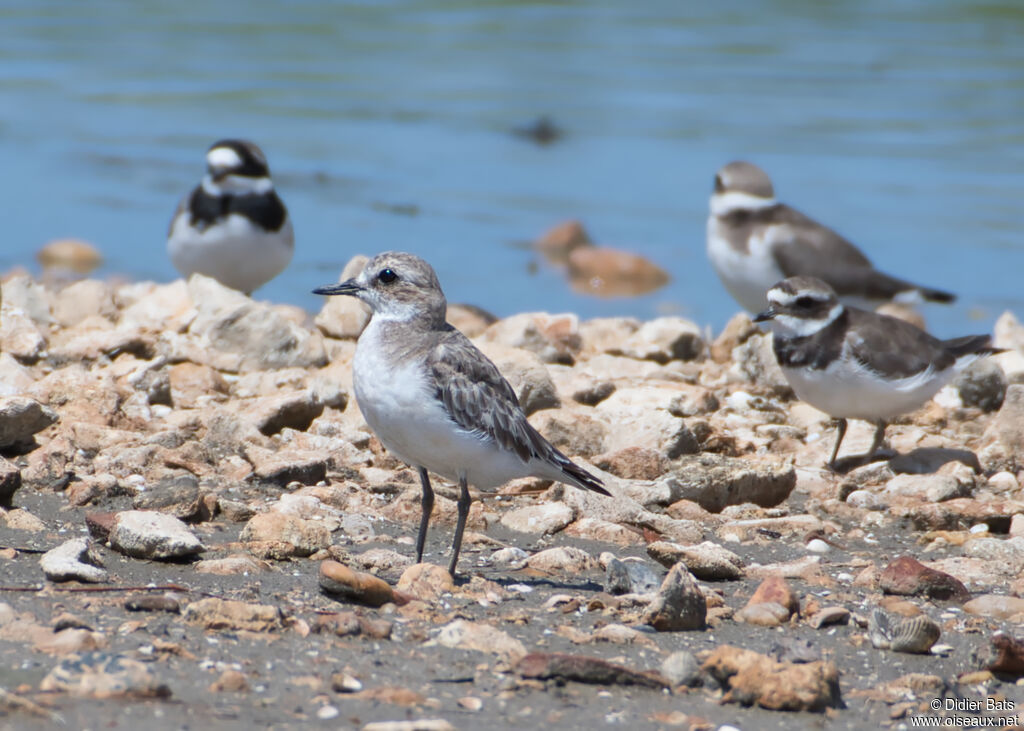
(973, 704)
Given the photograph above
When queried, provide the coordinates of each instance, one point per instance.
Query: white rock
(543, 518)
(152, 535)
(72, 561)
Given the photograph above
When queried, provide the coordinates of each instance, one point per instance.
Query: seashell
(915, 634)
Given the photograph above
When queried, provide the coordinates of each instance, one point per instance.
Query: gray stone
(714, 481)
(151, 535)
(103, 675)
(631, 576)
(10, 482)
(1005, 553)
(248, 335)
(178, 496)
(21, 418)
(754, 360)
(19, 335)
(294, 410)
(663, 339)
(681, 668)
(678, 605)
(73, 560)
(982, 385)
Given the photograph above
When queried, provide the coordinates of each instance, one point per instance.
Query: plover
(855, 364)
(232, 226)
(434, 400)
(754, 241)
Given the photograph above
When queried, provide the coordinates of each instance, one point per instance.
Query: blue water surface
(387, 126)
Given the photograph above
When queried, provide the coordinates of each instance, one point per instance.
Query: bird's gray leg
(464, 501)
(427, 504)
(877, 441)
(839, 440)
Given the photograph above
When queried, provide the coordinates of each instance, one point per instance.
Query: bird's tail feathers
(576, 475)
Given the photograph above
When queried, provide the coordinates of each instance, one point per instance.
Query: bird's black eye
(719, 185)
(805, 303)
(386, 276)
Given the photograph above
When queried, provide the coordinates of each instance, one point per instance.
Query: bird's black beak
(348, 287)
(766, 315)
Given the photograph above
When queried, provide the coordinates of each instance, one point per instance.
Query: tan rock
(426, 582)
(607, 272)
(73, 255)
(561, 239)
(563, 560)
(707, 560)
(231, 566)
(554, 338)
(194, 385)
(345, 317)
(213, 613)
(86, 298)
(480, 637)
(755, 679)
(602, 530)
(20, 336)
(304, 537)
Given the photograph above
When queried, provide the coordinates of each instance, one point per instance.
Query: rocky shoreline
(197, 522)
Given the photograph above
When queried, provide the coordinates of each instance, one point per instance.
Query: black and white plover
(754, 241)
(232, 226)
(856, 364)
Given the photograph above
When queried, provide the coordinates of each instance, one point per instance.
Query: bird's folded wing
(478, 398)
(892, 347)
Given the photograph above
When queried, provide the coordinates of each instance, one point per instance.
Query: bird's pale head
(741, 186)
(397, 286)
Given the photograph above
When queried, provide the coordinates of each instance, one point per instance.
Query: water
(387, 127)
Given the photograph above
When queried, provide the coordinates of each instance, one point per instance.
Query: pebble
(678, 605)
(681, 668)
(151, 535)
(707, 560)
(73, 560)
(340, 580)
(630, 576)
(544, 518)
(21, 418)
(101, 675)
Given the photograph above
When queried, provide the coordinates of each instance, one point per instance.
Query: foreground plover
(434, 400)
(855, 364)
(754, 241)
(232, 226)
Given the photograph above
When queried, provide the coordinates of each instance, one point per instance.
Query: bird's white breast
(747, 275)
(846, 389)
(398, 401)
(233, 251)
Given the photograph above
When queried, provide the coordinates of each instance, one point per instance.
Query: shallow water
(388, 127)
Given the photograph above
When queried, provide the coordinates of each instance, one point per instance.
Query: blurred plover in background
(753, 241)
(434, 400)
(232, 226)
(855, 364)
